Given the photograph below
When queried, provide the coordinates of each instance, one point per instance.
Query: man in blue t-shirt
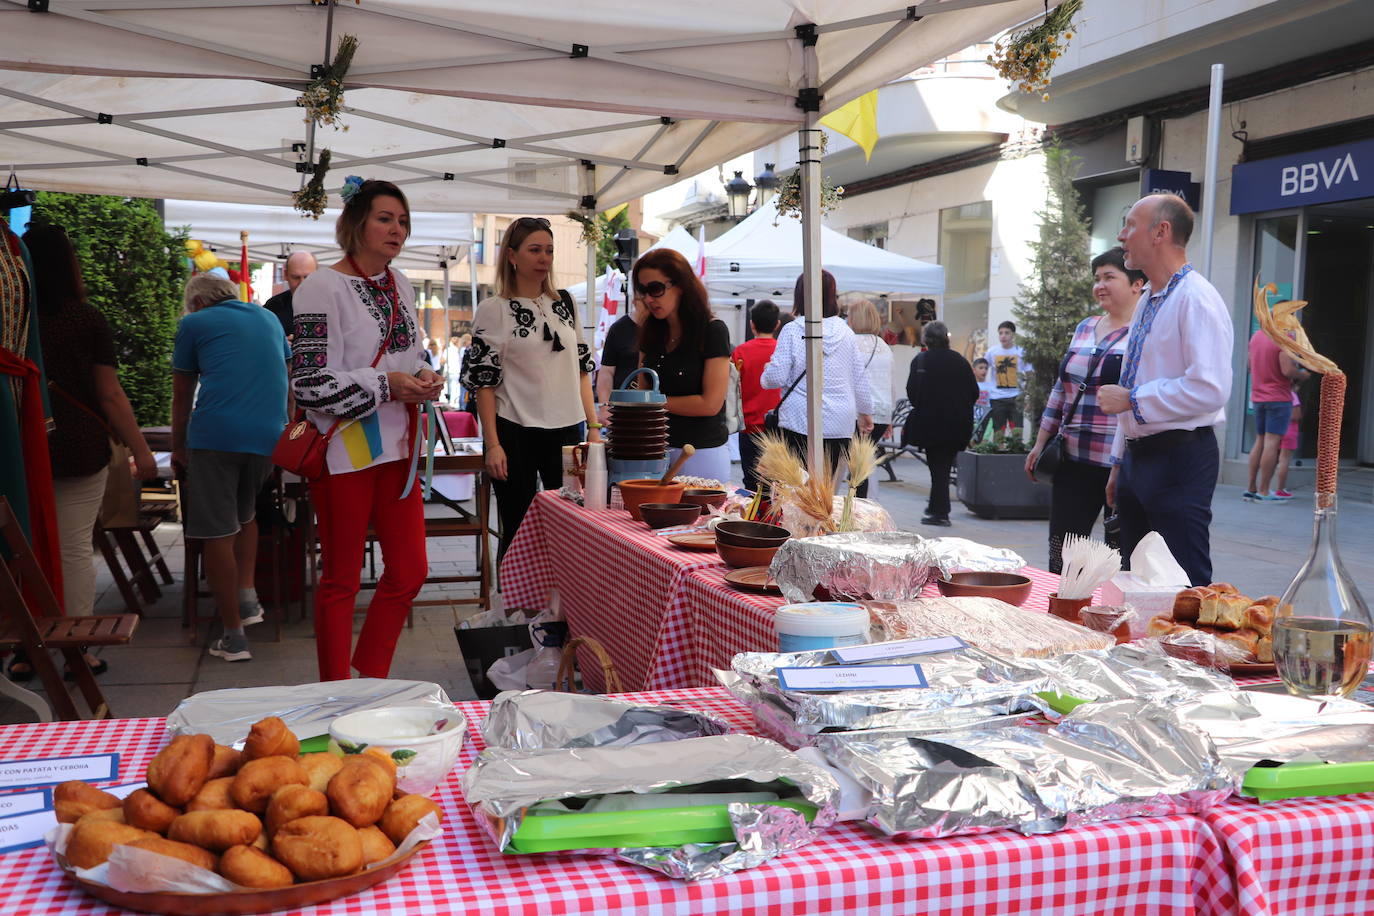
(238, 355)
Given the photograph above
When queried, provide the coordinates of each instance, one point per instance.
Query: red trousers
(344, 505)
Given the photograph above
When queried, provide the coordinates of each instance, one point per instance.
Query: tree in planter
(134, 271)
(1057, 294)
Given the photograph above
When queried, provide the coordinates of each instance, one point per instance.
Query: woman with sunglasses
(690, 351)
(530, 374)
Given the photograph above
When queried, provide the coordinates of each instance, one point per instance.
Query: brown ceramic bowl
(1012, 588)
(665, 515)
(648, 490)
(741, 557)
(751, 534)
(706, 499)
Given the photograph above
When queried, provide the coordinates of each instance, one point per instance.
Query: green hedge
(135, 272)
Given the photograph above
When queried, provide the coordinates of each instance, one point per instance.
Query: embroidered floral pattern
(312, 339)
(564, 311)
(524, 319)
(482, 364)
(585, 363)
(379, 307)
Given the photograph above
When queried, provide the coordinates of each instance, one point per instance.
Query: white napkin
(1152, 564)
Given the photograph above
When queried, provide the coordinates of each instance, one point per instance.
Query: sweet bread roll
(404, 813)
(92, 840)
(320, 768)
(1229, 611)
(1160, 626)
(178, 771)
(257, 779)
(251, 867)
(72, 799)
(270, 738)
(1244, 641)
(226, 762)
(144, 809)
(1224, 588)
(293, 801)
(213, 796)
(183, 851)
(216, 830)
(376, 845)
(1269, 601)
(1259, 618)
(360, 791)
(315, 848)
(1207, 605)
(1187, 605)
(1264, 650)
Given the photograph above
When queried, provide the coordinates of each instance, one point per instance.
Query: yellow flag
(611, 213)
(858, 120)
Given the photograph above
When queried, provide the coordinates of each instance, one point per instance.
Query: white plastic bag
(535, 668)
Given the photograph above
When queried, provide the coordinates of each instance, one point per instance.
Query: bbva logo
(1308, 177)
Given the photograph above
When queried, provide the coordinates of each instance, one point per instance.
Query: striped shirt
(1088, 437)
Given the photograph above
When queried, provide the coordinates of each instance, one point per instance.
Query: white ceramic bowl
(424, 741)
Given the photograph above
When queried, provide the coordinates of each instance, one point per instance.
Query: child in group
(1287, 446)
(984, 402)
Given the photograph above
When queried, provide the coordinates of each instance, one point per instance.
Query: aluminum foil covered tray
(987, 623)
(533, 719)
(1104, 761)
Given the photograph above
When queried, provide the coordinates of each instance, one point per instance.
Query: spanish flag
(857, 120)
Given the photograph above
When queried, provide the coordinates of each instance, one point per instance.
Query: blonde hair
(515, 236)
(204, 290)
(863, 318)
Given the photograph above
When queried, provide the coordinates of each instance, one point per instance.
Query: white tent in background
(678, 239)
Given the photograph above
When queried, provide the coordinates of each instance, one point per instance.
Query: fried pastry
(271, 738)
(213, 796)
(183, 851)
(251, 867)
(92, 839)
(104, 814)
(319, 847)
(144, 809)
(293, 801)
(257, 779)
(360, 791)
(178, 771)
(404, 813)
(320, 768)
(216, 830)
(72, 799)
(226, 762)
(376, 845)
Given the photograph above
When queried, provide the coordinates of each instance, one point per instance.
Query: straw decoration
(861, 457)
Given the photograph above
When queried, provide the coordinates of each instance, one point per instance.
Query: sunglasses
(538, 221)
(652, 290)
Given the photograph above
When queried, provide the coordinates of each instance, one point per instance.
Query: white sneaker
(220, 649)
(250, 619)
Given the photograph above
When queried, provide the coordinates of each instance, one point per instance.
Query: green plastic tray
(1268, 783)
(1061, 702)
(315, 745)
(614, 829)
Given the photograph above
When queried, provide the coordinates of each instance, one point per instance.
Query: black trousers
(940, 460)
(1080, 495)
(748, 454)
(879, 430)
(534, 456)
(834, 448)
(1169, 489)
(1001, 411)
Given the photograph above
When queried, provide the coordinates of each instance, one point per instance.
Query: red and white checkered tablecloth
(1139, 866)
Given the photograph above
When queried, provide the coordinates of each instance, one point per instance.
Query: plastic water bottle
(594, 493)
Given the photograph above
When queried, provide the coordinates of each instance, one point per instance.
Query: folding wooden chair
(48, 629)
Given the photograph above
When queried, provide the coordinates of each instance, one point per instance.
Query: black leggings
(834, 448)
(879, 430)
(1080, 493)
(533, 456)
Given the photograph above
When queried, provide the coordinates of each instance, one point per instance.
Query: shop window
(875, 234)
(965, 248)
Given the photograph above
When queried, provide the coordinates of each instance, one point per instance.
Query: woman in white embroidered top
(359, 370)
(530, 374)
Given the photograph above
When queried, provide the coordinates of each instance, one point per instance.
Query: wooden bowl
(751, 534)
(665, 515)
(740, 557)
(705, 498)
(648, 490)
(1013, 588)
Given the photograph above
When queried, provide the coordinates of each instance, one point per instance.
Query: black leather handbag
(1055, 452)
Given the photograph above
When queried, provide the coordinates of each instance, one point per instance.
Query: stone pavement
(1256, 546)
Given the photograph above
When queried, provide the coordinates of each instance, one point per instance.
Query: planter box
(996, 486)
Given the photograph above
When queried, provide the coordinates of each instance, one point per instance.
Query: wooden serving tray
(694, 540)
(753, 579)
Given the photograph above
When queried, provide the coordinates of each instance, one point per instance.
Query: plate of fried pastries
(286, 830)
(1241, 629)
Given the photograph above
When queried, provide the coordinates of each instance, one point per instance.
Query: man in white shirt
(1174, 384)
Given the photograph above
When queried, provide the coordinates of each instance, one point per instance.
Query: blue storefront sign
(1166, 181)
(1321, 176)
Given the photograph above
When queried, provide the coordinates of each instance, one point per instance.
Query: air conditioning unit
(1137, 140)
(536, 179)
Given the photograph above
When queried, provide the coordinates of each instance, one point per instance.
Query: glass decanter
(1322, 630)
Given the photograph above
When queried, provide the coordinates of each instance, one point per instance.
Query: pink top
(1267, 381)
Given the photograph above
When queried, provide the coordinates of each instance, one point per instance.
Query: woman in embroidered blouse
(359, 369)
(1080, 481)
(530, 374)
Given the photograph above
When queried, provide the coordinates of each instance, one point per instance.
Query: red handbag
(302, 448)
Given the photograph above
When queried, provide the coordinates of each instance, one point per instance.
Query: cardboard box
(1148, 600)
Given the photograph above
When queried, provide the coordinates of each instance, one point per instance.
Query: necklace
(387, 286)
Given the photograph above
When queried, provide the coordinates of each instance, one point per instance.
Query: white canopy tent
(678, 239)
(534, 107)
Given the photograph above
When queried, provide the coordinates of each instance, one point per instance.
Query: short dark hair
(830, 298)
(56, 270)
(1116, 257)
(1175, 211)
(694, 306)
(764, 316)
(1009, 325)
(348, 230)
(935, 335)
(979, 360)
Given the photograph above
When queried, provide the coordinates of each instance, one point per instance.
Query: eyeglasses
(652, 290)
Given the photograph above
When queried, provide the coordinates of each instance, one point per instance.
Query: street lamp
(767, 182)
(737, 196)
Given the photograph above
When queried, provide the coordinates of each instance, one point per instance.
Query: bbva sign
(1336, 173)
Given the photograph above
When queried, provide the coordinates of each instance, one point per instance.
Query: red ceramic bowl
(740, 557)
(1012, 588)
(707, 499)
(665, 515)
(751, 534)
(648, 490)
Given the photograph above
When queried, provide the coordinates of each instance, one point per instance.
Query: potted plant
(992, 481)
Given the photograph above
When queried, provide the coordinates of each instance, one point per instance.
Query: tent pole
(589, 317)
(472, 279)
(809, 160)
(1209, 184)
(448, 325)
